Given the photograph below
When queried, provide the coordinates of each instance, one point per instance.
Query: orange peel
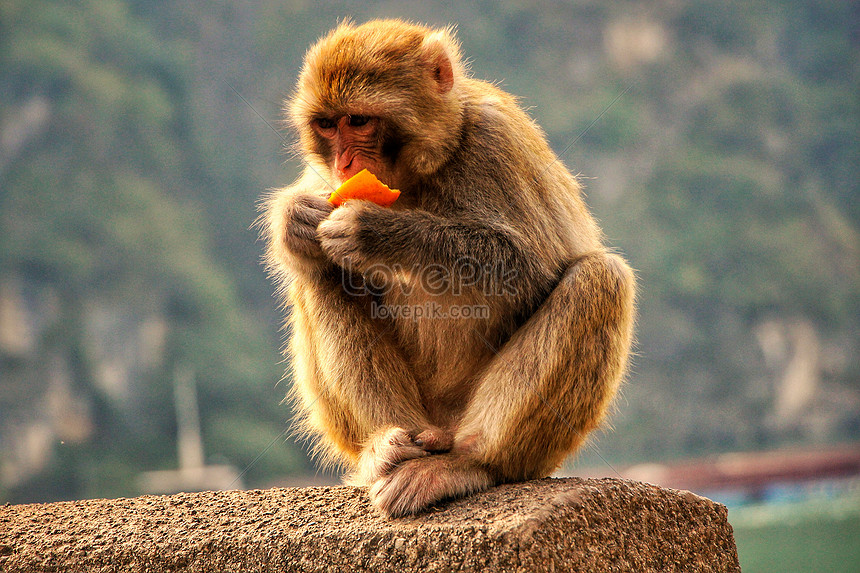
(364, 185)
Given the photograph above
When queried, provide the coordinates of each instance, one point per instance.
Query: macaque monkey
(474, 332)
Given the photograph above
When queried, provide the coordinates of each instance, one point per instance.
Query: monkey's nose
(343, 164)
(349, 169)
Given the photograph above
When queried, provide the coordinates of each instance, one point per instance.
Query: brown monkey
(474, 332)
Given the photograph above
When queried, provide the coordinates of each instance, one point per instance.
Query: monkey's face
(380, 97)
(352, 142)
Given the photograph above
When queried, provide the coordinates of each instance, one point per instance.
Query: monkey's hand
(344, 238)
(303, 215)
(388, 448)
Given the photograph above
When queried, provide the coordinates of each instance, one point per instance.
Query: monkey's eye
(358, 120)
(325, 123)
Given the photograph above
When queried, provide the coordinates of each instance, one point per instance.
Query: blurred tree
(107, 244)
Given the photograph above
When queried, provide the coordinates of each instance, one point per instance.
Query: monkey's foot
(383, 451)
(419, 483)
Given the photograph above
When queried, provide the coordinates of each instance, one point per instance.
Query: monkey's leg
(553, 381)
(353, 384)
(547, 387)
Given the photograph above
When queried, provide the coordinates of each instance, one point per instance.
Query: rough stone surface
(568, 524)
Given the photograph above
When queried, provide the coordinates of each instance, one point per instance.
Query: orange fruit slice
(364, 185)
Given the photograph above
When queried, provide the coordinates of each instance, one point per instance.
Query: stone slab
(569, 524)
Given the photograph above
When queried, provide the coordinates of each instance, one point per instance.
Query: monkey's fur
(422, 408)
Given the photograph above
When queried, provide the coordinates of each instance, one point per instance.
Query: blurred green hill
(717, 142)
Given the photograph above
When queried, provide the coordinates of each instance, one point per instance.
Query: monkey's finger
(303, 232)
(314, 203)
(334, 229)
(310, 214)
(302, 240)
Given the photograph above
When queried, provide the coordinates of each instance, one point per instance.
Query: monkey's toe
(382, 454)
(435, 440)
(395, 496)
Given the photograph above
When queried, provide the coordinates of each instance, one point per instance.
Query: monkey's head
(383, 96)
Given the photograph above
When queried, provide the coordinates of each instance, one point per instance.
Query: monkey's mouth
(346, 172)
(348, 165)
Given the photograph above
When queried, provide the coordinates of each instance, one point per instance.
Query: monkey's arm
(362, 234)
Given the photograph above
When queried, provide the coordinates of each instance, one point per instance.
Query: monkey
(526, 319)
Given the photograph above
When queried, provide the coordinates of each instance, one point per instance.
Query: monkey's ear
(443, 73)
(441, 53)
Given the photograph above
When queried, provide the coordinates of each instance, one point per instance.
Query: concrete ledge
(545, 525)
